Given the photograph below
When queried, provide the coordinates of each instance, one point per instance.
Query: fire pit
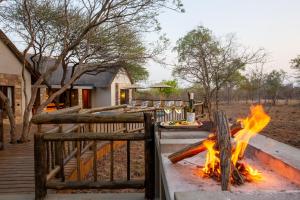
(268, 168)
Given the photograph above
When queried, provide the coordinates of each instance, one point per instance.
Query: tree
(209, 61)
(10, 115)
(287, 92)
(172, 90)
(137, 73)
(296, 65)
(274, 81)
(231, 83)
(84, 35)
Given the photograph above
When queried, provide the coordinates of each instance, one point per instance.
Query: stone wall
(80, 97)
(43, 94)
(16, 82)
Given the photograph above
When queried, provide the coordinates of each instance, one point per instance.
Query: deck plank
(17, 168)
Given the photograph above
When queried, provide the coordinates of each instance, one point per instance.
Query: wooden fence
(88, 131)
(54, 149)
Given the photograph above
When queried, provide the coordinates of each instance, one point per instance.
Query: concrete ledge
(184, 134)
(281, 158)
(172, 145)
(279, 150)
(217, 195)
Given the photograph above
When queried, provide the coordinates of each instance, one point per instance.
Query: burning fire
(252, 124)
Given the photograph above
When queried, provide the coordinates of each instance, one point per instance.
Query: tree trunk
(208, 98)
(27, 112)
(26, 126)
(259, 96)
(11, 117)
(228, 95)
(217, 98)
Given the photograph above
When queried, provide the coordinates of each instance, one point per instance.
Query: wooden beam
(68, 110)
(100, 109)
(88, 118)
(136, 184)
(95, 171)
(74, 136)
(39, 166)
(111, 160)
(149, 156)
(224, 144)
(53, 173)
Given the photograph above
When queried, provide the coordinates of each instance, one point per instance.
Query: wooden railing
(55, 148)
(160, 115)
(199, 106)
(79, 132)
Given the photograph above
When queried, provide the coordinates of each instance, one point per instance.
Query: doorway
(86, 98)
(124, 96)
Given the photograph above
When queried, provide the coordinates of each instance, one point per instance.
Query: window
(9, 93)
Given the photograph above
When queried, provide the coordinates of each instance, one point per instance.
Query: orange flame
(252, 124)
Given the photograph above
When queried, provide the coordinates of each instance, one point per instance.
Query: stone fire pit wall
(279, 162)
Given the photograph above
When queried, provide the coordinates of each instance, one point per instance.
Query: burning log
(236, 176)
(198, 147)
(223, 159)
(224, 145)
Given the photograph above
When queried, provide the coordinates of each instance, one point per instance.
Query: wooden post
(223, 138)
(149, 157)
(39, 165)
(185, 112)
(95, 160)
(111, 160)
(1, 131)
(59, 157)
(128, 151)
(128, 159)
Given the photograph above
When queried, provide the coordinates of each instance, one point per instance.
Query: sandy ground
(284, 125)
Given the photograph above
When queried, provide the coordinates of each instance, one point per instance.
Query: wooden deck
(17, 168)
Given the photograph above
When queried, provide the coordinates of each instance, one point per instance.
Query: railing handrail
(63, 111)
(88, 118)
(107, 108)
(74, 136)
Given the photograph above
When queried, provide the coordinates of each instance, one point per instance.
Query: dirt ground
(285, 120)
(120, 168)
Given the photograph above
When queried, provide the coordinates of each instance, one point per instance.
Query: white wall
(9, 64)
(123, 80)
(101, 97)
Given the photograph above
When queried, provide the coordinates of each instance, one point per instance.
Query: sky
(270, 24)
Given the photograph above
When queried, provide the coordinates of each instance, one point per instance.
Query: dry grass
(284, 125)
